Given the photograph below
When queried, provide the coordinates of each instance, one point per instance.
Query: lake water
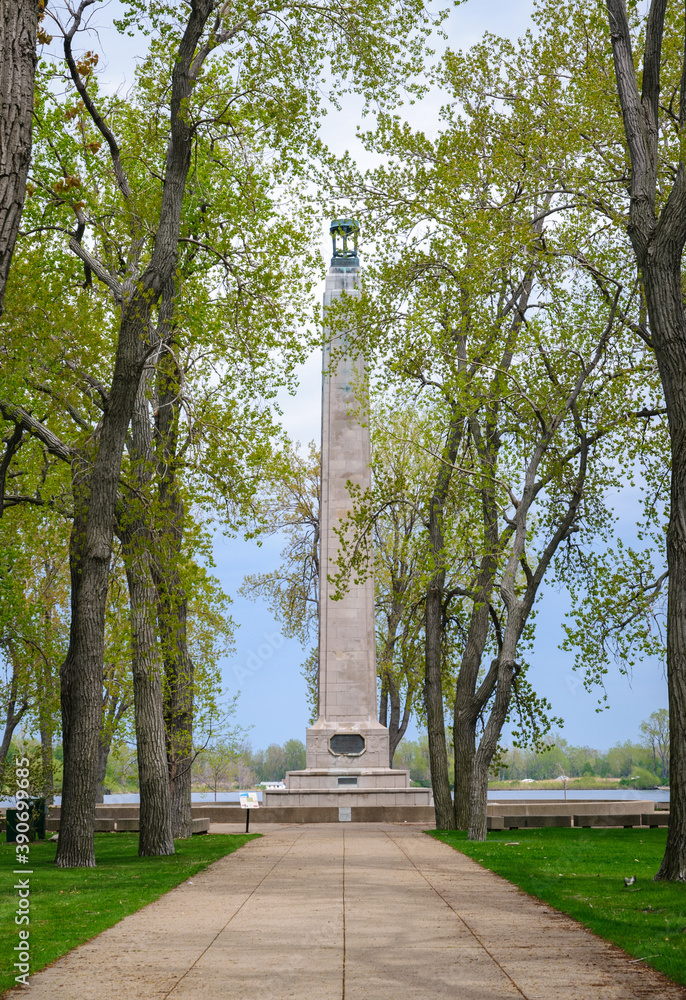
(552, 794)
(548, 794)
(132, 798)
(225, 797)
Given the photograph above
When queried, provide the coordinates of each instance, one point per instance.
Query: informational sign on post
(248, 800)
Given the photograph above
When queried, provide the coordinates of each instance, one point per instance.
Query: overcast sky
(266, 668)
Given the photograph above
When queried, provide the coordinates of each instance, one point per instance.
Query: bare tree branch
(97, 269)
(18, 415)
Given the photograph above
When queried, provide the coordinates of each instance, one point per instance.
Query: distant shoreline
(573, 784)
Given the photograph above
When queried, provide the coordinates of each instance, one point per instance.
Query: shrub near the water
(640, 778)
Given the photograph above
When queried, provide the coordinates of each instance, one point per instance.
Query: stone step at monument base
(328, 814)
(314, 798)
(228, 813)
(347, 785)
(333, 778)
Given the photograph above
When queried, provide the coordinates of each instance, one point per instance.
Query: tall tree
(156, 836)
(33, 618)
(655, 732)
(96, 481)
(18, 30)
(657, 229)
(479, 305)
(399, 561)
(606, 81)
(267, 84)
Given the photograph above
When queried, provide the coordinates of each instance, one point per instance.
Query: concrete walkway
(347, 912)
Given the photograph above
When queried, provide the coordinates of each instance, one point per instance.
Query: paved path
(347, 912)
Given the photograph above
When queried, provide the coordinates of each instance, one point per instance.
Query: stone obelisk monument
(347, 747)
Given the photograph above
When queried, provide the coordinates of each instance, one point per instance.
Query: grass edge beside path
(69, 906)
(581, 873)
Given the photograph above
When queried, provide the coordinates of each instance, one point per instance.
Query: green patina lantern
(343, 234)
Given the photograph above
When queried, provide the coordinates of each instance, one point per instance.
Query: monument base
(344, 745)
(347, 787)
(347, 766)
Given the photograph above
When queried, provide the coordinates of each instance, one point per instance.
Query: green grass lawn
(71, 905)
(581, 872)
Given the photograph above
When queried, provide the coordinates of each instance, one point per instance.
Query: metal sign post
(248, 801)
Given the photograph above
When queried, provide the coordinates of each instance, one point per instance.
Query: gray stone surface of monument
(347, 748)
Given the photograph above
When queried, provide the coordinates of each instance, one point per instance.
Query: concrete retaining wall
(501, 815)
(557, 807)
(658, 818)
(324, 814)
(125, 824)
(126, 817)
(535, 822)
(626, 820)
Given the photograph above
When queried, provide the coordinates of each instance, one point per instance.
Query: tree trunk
(398, 724)
(46, 724)
(155, 812)
(434, 626)
(137, 544)
(502, 671)
(81, 681)
(478, 801)
(467, 707)
(113, 710)
(658, 238)
(96, 498)
(668, 326)
(12, 720)
(18, 26)
(383, 699)
(468, 702)
(464, 737)
(103, 756)
(478, 798)
(433, 696)
(172, 600)
(48, 789)
(179, 676)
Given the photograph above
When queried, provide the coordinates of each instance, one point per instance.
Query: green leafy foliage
(480, 306)
(623, 760)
